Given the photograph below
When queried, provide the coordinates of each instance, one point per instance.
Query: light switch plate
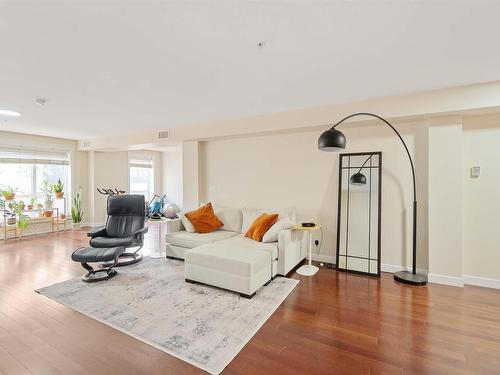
(475, 171)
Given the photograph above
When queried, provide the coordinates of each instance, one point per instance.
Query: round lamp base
(307, 270)
(410, 278)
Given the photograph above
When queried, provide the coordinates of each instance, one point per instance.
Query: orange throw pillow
(260, 226)
(204, 219)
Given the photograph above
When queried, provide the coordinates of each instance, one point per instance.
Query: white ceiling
(108, 67)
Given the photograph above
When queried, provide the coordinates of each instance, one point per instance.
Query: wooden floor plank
(332, 323)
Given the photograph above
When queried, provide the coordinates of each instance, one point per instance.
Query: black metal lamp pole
(334, 140)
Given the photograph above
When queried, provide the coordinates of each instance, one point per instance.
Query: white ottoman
(239, 269)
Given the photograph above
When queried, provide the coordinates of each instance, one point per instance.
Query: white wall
(191, 178)
(481, 203)
(282, 170)
(172, 175)
(445, 200)
(110, 171)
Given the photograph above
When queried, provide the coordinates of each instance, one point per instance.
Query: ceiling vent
(164, 134)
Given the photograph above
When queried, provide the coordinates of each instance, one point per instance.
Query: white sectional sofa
(227, 259)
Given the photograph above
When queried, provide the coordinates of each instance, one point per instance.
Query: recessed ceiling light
(6, 112)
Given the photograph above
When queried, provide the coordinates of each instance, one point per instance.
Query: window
(27, 170)
(141, 176)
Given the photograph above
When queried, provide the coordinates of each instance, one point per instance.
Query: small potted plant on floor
(58, 189)
(8, 192)
(76, 211)
(47, 190)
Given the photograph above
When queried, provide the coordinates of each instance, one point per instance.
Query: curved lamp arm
(397, 133)
(334, 140)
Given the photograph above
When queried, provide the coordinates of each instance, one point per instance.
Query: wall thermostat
(475, 171)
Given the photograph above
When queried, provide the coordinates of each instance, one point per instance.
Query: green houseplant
(76, 211)
(8, 192)
(32, 203)
(58, 189)
(48, 190)
(23, 220)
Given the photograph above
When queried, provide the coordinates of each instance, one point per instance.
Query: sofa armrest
(291, 250)
(97, 233)
(174, 225)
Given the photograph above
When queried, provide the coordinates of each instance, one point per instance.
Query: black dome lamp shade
(358, 179)
(333, 140)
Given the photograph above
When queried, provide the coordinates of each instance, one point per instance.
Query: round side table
(308, 269)
(161, 227)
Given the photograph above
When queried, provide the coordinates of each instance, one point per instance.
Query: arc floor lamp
(334, 140)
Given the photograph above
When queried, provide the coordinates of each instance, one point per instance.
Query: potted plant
(22, 219)
(32, 203)
(47, 190)
(76, 211)
(8, 192)
(58, 189)
(39, 206)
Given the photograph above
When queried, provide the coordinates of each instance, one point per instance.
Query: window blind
(12, 156)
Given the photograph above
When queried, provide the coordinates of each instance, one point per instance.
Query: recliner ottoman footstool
(86, 255)
(239, 269)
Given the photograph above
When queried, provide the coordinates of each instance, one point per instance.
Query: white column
(190, 174)
(445, 200)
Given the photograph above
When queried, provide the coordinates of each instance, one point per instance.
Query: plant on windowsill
(48, 190)
(8, 192)
(58, 189)
(76, 211)
(32, 203)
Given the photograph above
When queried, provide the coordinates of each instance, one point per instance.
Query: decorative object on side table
(308, 269)
(333, 140)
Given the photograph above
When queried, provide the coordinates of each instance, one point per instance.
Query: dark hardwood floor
(332, 323)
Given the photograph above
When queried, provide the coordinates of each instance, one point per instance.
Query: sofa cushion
(204, 219)
(190, 240)
(224, 257)
(185, 222)
(231, 217)
(240, 241)
(250, 214)
(272, 233)
(260, 226)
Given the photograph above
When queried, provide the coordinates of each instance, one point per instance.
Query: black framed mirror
(359, 213)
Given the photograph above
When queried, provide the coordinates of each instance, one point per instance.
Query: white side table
(161, 228)
(308, 269)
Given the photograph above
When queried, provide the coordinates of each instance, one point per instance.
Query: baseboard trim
(482, 281)
(446, 280)
(324, 258)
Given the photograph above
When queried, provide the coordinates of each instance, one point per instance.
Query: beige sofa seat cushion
(225, 257)
(251, 245)
(190, 240)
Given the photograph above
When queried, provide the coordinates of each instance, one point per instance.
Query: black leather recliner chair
(124, 227)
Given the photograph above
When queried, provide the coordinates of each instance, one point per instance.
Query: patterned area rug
(150, 301)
